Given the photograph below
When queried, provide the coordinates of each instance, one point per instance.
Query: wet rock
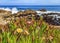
(43, 10)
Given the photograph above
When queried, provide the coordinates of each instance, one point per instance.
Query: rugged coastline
(47, 15)
(29, 26)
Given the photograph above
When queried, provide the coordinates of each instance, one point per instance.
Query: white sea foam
(46, 12)
(8, 9)
(14, 10)
(1, 8)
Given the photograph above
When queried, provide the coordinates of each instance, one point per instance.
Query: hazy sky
(29, 2)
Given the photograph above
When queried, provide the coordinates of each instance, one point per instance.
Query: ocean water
(33, 7)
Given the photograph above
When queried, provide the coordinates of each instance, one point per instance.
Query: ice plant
(26, 32)
(19, 30)
(43, 38)
(50, 37)
(29, 22)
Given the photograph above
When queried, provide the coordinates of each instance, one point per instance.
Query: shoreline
(54, 15)
(15, 10)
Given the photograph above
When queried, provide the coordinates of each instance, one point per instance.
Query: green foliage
(12, 26)
(37, 34)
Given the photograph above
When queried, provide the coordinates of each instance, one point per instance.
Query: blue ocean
(34, 7)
